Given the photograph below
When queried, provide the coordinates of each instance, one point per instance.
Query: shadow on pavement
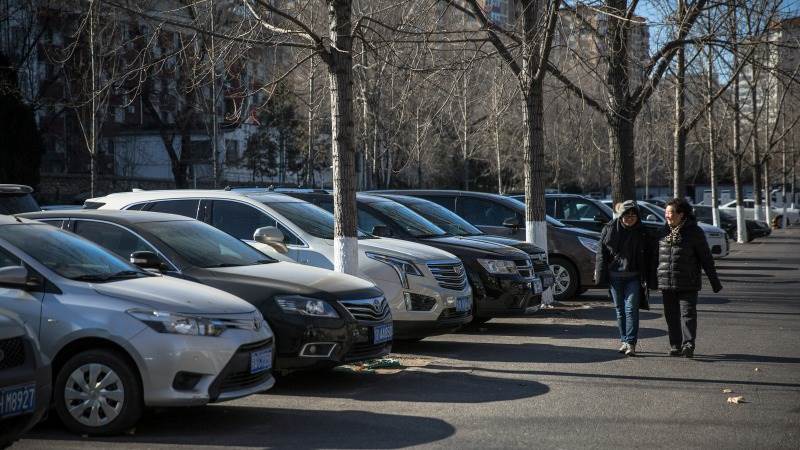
(408, 386)
(518, 353)
(775, 268)
(562, 331)
(605, 312)
(746, 358)
(268, 427)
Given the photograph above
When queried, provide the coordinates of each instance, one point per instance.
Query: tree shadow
(269, 427)
(409, 386)
(735, 357)
(749, 259)
(563, 330)
(775, 268)
(745, 275)
(519, 353)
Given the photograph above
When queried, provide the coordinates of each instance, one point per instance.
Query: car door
(25, 302)
(487, 215)
(581, 213)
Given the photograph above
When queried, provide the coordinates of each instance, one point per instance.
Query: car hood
(404, 249)
(174, 295)
(522, 245)
(258, 283)
(708, 228)
(464, 246)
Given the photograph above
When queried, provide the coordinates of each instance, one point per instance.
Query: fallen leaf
(726, 391)
(738, 399)
(756, 369)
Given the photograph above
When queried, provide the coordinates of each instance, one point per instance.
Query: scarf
(674, 236)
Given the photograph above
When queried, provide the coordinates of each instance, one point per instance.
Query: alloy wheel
(94, 394)
(562, 279)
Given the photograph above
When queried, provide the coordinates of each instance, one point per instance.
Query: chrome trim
(450, 274)
(375, 309)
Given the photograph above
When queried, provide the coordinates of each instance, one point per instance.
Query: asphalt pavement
(549, 381)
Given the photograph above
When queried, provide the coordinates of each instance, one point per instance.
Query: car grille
(449, 275)
(539, 265)
(236, 375)
(524, 267)
(369, 309)
(13, 351)
(451, 313)
(364, 351)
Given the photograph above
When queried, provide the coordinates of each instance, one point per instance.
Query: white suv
(426, 288)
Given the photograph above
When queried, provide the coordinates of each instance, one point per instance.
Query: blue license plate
(537, 285)
(463, 304)
(382, 333)
(261, 360)
(17, 400)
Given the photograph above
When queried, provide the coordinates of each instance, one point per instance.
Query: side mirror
(14, 276)
(511, 222)
(651, 218)
(600, 218)
(271, 236)
(382, 231)
(146, 260)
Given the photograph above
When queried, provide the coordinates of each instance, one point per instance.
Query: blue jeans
(625, 293)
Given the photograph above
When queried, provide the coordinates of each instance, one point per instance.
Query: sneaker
(688, 351)
(631, 351)
(674, 351)
(623, 348)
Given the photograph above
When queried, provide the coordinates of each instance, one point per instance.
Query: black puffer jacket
(679, 264)
(645, 259)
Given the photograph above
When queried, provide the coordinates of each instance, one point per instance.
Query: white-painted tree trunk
(536, 234)
(345, 255)
(740, 225)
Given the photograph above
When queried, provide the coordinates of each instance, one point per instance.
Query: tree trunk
(309, 179)
(621, 140)
(756, 157)
(679, 135)
(767, 196)
(712, 146)
(741, 233)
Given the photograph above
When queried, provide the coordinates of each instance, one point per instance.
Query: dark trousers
(680, 311)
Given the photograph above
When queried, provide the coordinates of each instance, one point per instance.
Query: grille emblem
(376, 303)
(458, 269)
(256, 324)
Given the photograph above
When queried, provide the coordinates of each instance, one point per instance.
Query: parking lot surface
(550, 381)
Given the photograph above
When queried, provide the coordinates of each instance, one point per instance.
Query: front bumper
(504, 296)
(11, 428)
(207, 361)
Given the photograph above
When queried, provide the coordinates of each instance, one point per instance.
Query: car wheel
(97, 393)
(566, 279)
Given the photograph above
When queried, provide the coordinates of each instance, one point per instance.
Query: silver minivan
(121, 338)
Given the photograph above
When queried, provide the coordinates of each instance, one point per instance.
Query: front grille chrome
(524, 267)
(369, 309)
(450, 275)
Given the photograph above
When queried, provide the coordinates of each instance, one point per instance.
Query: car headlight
(174, 323)
(499, 266)
(589, 243)
(305, 306)
(403, 267)
(538, 257)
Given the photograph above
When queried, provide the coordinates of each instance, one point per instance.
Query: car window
(406, 219)
(187, 208)
(748, 204)
(8, 260)
(367, 221)
(119, 240)
(238, 219)
(307, 217)
(136, 207)
(58, 223)
(444, 218)
(577, 209)
(648, 210)
(478, 211)
(17, 204)
(444, 200)
(550, 206)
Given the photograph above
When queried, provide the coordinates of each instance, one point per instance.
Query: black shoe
(688, 351)
(674, 351)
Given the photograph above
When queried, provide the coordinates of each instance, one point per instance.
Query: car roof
(122, 217)
(15, 220)
(360, 196)
(403, 198)
(15, 189)
(143, 196)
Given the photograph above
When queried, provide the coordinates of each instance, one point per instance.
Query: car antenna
(18, 219)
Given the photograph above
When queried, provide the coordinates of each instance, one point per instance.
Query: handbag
(644, 297)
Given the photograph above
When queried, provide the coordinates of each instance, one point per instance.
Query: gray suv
(121, 338)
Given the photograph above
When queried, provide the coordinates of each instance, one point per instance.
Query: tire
(566, 284)
(122, 395)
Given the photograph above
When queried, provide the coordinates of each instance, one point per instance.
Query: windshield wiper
(213, 266)
(107, 277)
(265, 261)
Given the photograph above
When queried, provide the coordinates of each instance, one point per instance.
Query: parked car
(17, 198)
(755, 229)
(453, 224)
(320, 318)
(502, 279)
(304, 232)
(121, 338)
(571, 251)
(24, 376)
(748, 207)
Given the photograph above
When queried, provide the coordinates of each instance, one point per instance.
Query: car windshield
(202, 245)
(444, 218)
(309, 218)
(17, 204)
(68, 255)
(550, 220)
(408, 220)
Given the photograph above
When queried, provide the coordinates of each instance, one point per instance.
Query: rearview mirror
(14, 276)
(146, 260)
(511, 222)
(381, 231)
(271, 236)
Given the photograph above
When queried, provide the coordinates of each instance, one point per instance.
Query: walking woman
(626, 261)
(682, 251)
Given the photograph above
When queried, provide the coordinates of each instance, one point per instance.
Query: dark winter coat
(679, 263)
(644, 261)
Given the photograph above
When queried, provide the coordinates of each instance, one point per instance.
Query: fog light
(186, 381)
(318, 350)
(450, 300)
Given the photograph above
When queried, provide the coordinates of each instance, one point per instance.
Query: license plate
(382, 333)
(261, 360)
(537, 286)
(463, 304)
(17, 400)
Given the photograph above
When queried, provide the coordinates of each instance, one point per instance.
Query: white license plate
(537, 285)
(463, 304)
(17, 400)
(261, 360)
(382, 333)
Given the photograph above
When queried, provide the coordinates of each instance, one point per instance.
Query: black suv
(502, 279)
(320, 318)
(24, 378)
(17, 198)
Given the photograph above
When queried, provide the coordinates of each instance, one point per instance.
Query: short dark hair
(681, 206)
